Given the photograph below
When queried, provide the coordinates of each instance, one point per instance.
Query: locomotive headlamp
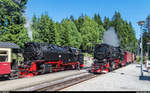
(59, 56)
(104, 60)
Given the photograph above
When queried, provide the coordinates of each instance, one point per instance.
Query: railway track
(62, 83)
(59, 83)
(67, 83)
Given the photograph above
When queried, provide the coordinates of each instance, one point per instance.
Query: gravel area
(11, 85)
(123, 79)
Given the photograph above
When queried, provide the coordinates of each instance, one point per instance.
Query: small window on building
(3, 56)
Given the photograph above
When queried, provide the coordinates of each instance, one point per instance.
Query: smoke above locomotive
(109, 49)
(110, 37)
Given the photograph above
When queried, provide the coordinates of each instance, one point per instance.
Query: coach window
(3, 56)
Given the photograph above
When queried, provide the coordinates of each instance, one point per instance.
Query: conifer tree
(71, 35)
(44, 30)
(97, 18)
(125, 32)
(79, 22)
(12, 21)
(91, 33)
(107, 23)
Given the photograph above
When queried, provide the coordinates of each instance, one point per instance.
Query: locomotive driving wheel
(113, 66)
(110, 68)
(13, 75)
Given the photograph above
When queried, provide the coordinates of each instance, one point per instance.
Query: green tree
(60, 29)
(44, 29)
(107, 23)
(71, 36)
(79, 22)
(13, 34)
(12, 21)
(146, 36)
(125, 32)
(72, 18)
(97, 18)
(91, 33)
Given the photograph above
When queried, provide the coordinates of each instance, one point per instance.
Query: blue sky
(131, 10)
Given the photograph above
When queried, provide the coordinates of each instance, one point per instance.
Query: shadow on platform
(145, 70)
(138, 66)
(144, 78)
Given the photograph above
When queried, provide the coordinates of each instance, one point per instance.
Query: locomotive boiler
(49, 52)
(106, 52)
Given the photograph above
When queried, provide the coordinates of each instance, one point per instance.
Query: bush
(138, 60)
(87, 54)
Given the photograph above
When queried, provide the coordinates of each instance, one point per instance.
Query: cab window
(3, 56)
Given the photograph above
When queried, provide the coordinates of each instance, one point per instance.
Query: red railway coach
(8, 52)
(129, 57)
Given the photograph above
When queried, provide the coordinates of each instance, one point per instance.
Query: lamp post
(148, 43)
(148, 62)
(141, 23)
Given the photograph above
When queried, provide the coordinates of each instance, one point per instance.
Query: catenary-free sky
(131, 10)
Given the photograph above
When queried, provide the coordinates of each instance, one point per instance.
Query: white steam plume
(110, 37)
(28, 26)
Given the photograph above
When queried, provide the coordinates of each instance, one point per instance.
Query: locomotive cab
(7, 61)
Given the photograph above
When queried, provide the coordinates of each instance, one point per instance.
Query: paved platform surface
(123, 79)
(11, 85)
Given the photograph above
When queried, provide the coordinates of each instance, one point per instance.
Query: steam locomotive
(108, 58)
(38, 58)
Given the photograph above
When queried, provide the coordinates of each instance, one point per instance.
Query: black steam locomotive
(40, 58)
(106, 52)
(50, 52)
(108, 58)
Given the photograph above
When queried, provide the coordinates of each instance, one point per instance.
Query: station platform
(127, 78)
(12, 85)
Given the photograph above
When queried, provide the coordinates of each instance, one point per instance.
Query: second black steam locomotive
(108, 58)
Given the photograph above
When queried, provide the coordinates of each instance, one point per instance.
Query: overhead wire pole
(140, 23)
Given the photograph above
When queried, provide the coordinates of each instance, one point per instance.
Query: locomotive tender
(38, 58)
(108, 58)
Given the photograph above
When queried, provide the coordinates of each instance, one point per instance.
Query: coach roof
(9, 45)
